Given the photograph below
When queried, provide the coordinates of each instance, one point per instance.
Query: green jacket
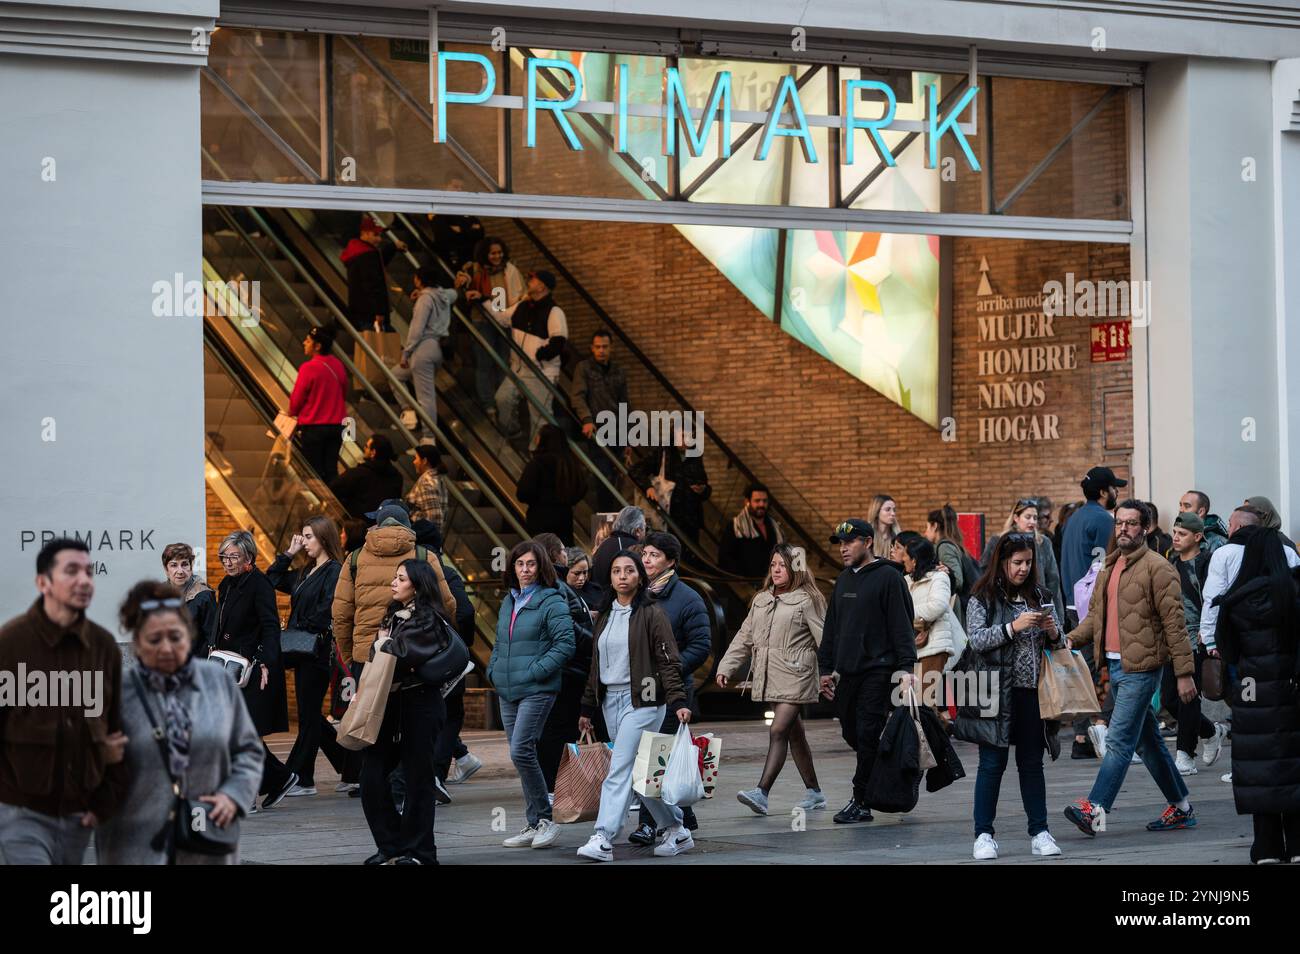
(531, 659)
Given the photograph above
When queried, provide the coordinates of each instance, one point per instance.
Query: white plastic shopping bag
(682, 784)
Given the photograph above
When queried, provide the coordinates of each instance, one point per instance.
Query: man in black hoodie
(361, 489)
(867, 643)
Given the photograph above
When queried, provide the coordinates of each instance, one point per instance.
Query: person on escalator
(319, 402)
(551, 485)
(689, 619)
(492, 278)
(541, 331)
(599, 389)
(678, 484)
(361, 489)
(365, 258)
(422, 355)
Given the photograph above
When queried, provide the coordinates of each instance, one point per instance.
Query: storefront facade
(1089, 260)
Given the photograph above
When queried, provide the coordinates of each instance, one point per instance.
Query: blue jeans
(1133, 728)
(523, 722)
(1027, 736)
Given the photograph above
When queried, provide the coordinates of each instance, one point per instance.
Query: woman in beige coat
(779, 640)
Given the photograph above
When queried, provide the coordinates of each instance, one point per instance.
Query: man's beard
(1132, 547)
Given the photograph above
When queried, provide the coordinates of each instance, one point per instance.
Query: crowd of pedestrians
(614, 644)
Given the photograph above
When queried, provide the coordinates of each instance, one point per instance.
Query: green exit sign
(413, 51)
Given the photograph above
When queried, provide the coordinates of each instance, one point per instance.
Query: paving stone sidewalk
(330, 828)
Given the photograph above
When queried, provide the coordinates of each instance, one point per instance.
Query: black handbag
(297, 645)
(189, 826)
(441, 664)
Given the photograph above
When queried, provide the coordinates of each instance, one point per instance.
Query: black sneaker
(689, 821)
(378, 858)
(355, 792)
(1082, 750)
(852, 814)
(276, 797)
(643, 836)
(440, 793)
(406, 860)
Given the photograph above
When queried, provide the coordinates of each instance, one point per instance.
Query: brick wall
(837, 440)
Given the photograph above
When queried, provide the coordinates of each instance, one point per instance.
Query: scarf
(193, 587)
(744, 527)
(176, 718)
(657, 587)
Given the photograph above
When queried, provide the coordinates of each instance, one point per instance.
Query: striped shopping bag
(583, 767)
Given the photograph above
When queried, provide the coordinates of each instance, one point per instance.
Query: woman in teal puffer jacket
(534, 641)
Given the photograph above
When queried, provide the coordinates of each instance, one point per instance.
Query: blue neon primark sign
(673, 111)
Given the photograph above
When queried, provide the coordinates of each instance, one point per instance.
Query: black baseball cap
(1104, 477)
(545, 277)
(391, 509)
(849, 529)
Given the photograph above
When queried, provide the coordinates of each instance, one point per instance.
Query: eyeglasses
(231, 557)
(171, 602)
(1026, 502)
(1128, 523)
(1019, 537)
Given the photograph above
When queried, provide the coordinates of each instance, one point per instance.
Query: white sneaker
(467, 764)
(547, 832)
(1185, 764)
(1226, 778)
(1042, 844)
(1135, 760)
(676, 840)
(522, 840)
(597, 849)
(1211, 749)
(813, 800)
(299, 790)
(342, 788)
(1097, 735)
(986, 849)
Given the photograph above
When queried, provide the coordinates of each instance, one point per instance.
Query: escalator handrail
(342, 355)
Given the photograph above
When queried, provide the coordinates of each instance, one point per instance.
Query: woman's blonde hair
(884, 537)
(801, 578)
(1019, 507)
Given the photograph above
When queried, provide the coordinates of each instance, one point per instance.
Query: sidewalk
(331, 829)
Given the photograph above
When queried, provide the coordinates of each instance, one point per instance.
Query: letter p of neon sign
(441, 95)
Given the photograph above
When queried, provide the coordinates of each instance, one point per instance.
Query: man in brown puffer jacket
(360, 602)
(1136, 614)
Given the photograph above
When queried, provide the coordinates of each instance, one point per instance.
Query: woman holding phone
(1009, 622)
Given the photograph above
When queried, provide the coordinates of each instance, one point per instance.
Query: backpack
(970, 571)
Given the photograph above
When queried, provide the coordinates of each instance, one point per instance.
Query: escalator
(262, 478)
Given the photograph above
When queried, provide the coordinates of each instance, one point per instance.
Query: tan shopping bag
(1065, 689)
(583, 767)
(360, 724)
(386, 344)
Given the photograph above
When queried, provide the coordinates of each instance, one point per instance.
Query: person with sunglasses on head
(1009, 622)
(867, 646)
(636, 680)
(188, 726)
(1024, 519)
(1135, 615)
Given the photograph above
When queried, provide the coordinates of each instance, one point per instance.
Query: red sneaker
(1085, 815)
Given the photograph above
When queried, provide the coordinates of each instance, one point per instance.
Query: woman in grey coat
(1024, 519)
(212, 744)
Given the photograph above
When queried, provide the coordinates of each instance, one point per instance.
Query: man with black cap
(1090, 527)
(540, 330)
(367, 283)
(319, 402)
(867, 644)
